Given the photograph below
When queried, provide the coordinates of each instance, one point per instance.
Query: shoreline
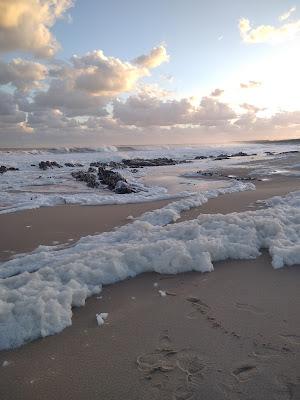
(229, 334)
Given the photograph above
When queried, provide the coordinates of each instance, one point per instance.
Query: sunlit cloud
(268, 33)
(22, 74)
(250, 84)
(25, 25)
(157, 56)
(287, 14)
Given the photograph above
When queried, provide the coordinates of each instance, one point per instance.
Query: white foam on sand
(38, 300)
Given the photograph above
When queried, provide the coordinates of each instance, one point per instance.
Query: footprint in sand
(155, 362)
(164, 342)
(250, 308)
(199, 307)
(172, 374)
(244, 372)
(265, 350)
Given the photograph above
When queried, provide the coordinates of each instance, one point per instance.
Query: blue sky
(147, 70)
(189, 28)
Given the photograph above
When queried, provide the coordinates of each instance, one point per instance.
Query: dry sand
(230, 334)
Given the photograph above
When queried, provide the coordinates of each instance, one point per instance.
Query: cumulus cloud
(25, 25)
(9, 110)
(157, 56)
(146, 110)
(62, 95)
(22, 74)
(250, 84)
(268, 33)
(109, 76)
(287, 14)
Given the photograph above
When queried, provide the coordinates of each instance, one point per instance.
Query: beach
(233, 333)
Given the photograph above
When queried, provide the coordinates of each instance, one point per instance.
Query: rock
(3, 169)
(68, 164)
(200, 158)
(114, 181)
(290, 152)
(222, 157)
(48, 164)
(92, 169)
(124, 188)
(109, 178)
(89, 178)
(240, 154)
(155, 162)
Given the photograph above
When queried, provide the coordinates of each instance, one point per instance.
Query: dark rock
(155, 162)
(109, 178)
(124, 188)
(98, 164)
(89, 178)
(240, 154)
(3, 169)
(114, 181)
(48, 164)
(68, 164)
(92, 169)
(290, 152)
(222, 157)
(200, 158)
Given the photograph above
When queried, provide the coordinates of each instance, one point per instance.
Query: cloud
(250, 84)
(109, 76)
(88, 83)
(144, 110)
(25, 25)
(268, 33)
(251, 108)
(22, 74)
(9, 110)
(287, 14)
(156, 57)
(62, 95)
(217, 92)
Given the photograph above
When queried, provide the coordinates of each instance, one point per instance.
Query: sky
(93, 72)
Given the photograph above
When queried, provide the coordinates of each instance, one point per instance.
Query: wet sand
(23, 231)
(230, 334)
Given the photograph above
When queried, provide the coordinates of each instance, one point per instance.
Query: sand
(23, 231)
(230, 334)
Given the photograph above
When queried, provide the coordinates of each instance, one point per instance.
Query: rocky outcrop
(88, 177)
(114, 181)
(49, 164)
(3, 169)
(154, 162)
(71, 165)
